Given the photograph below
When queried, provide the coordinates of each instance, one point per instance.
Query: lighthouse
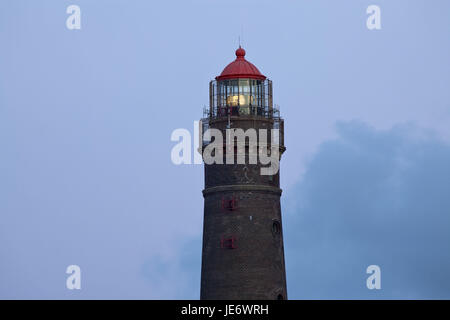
(242, 252)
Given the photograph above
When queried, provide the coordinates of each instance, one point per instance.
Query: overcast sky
(86, 118)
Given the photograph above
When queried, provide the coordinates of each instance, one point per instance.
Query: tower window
(228, 243)
(229, 204)
(276, 227)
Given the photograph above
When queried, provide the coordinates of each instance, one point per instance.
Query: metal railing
(221, 112)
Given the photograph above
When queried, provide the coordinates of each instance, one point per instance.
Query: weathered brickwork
(243, 254)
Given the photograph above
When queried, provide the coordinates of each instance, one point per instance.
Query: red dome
(240, 68)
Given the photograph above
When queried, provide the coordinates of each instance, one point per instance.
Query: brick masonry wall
(252, 265)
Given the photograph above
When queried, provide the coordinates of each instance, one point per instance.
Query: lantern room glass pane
(242, 97)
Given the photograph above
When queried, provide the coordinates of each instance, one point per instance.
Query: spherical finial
(240, 53)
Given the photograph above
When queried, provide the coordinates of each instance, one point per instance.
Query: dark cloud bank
(371, 197)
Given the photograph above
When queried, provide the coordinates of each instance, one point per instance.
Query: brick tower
(243, 254)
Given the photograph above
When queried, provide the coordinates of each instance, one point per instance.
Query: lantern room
(240, 90)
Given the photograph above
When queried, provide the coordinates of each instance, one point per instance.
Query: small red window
(228, 242)
(229, 204)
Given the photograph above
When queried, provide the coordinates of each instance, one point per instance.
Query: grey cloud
(371, 197)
